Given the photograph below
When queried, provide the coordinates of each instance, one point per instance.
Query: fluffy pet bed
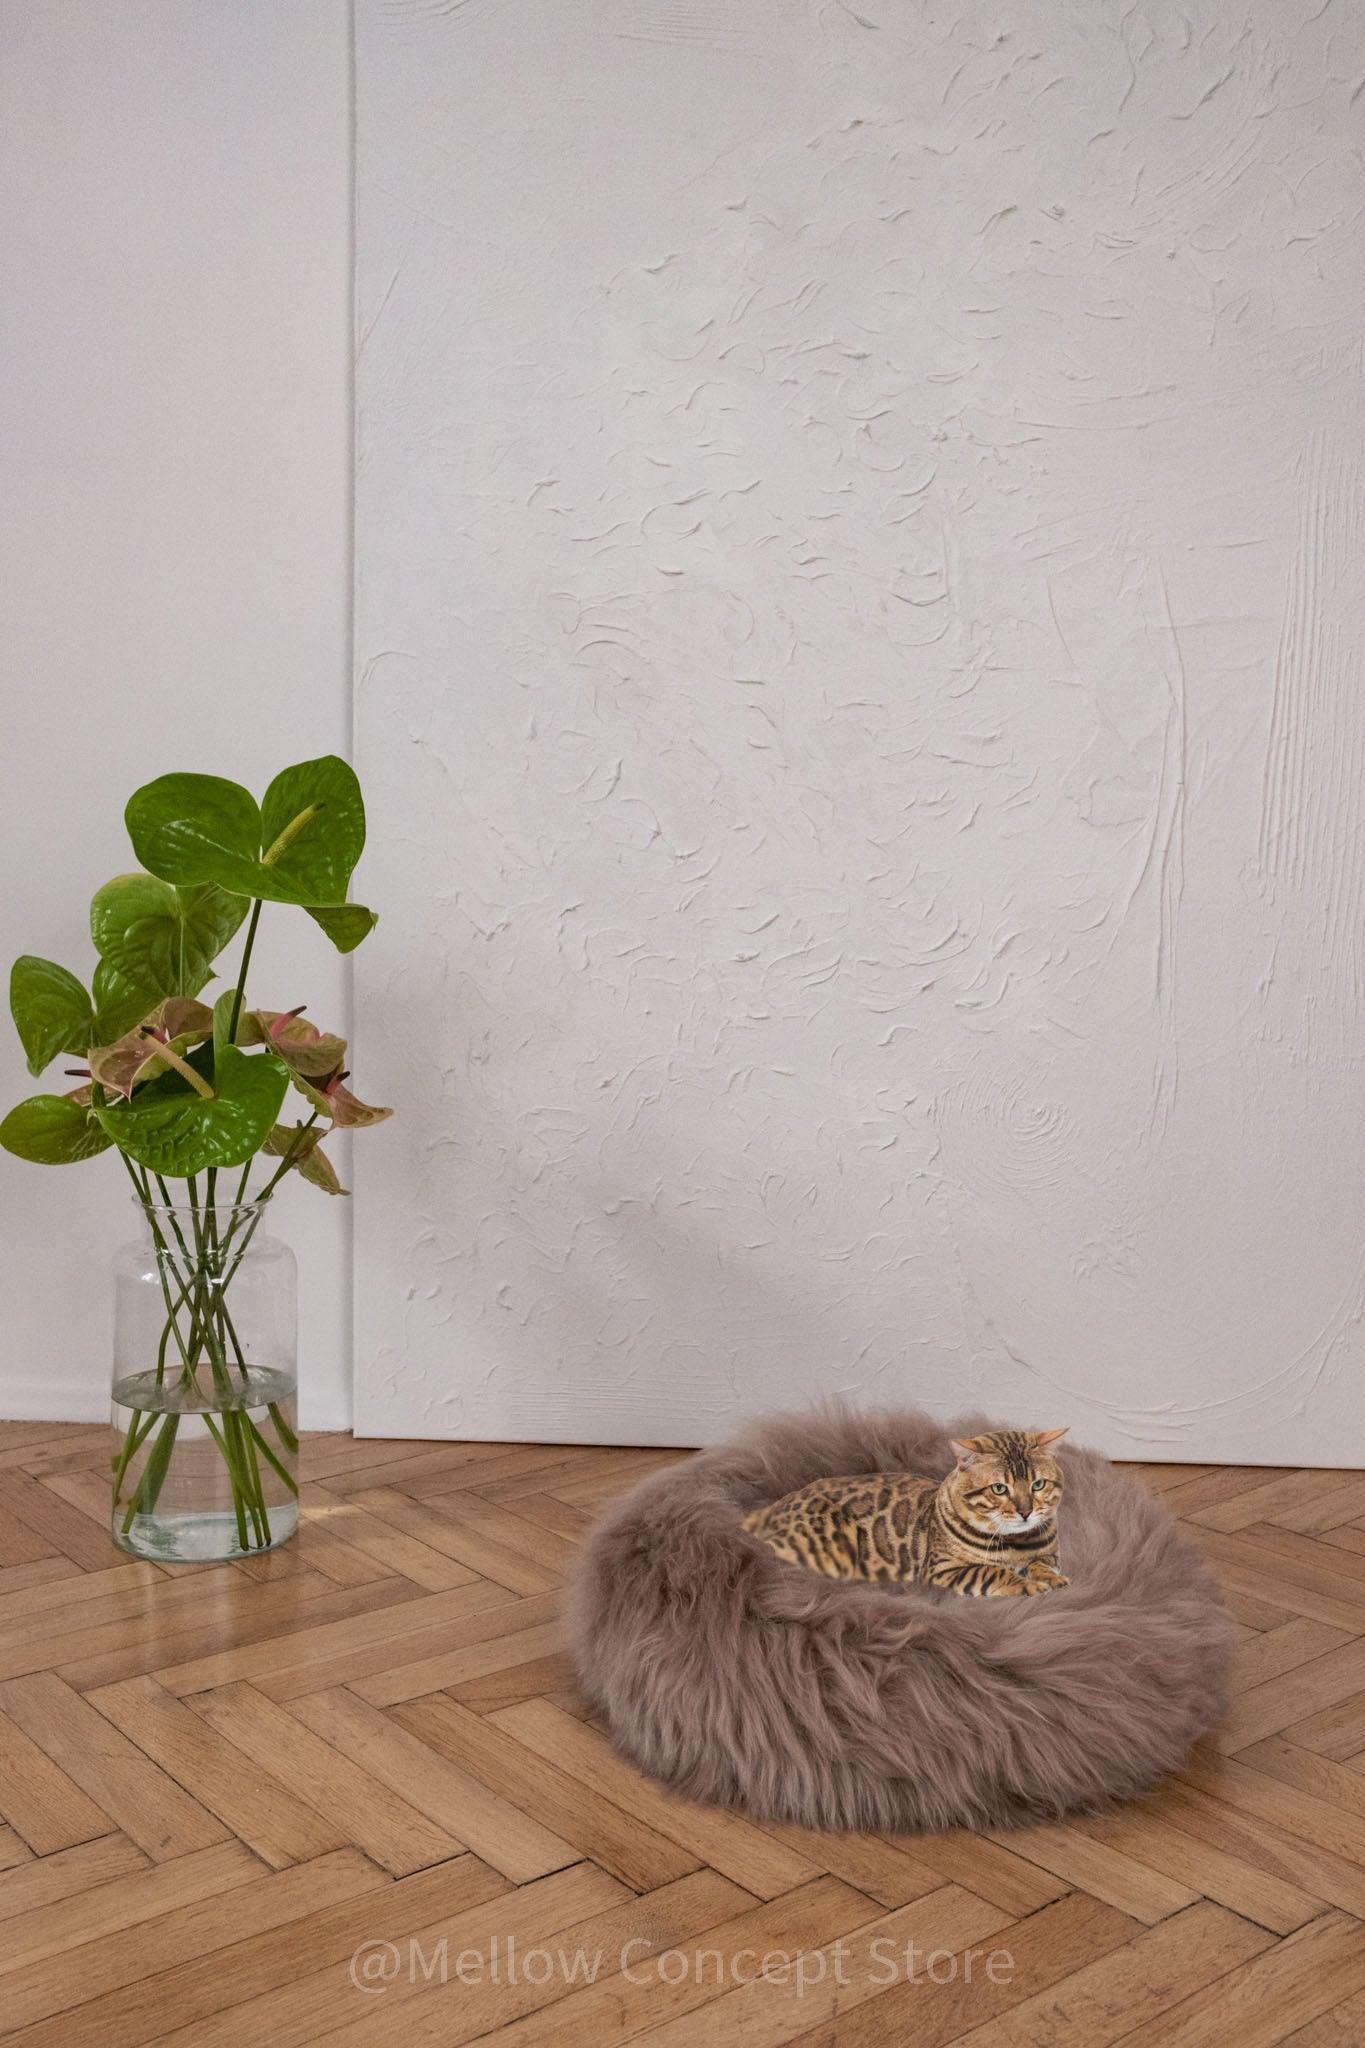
(740, 1679)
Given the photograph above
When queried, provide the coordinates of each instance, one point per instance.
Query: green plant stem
(256, 1499)
(268, 1454)
(153, 1472)
(234, 1019)
(243, 1471)
(132, 1444)
(229, 1459)
(235, 1015)
(288, 1159)
(282, 1429)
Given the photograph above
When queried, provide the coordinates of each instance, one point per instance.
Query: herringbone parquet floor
(230, 1792)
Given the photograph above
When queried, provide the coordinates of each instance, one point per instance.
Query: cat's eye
(1000, 1489)
(1038, 1485)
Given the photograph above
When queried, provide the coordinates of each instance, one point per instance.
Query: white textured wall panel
(859, 671)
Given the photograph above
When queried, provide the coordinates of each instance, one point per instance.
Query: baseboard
(48, 1400)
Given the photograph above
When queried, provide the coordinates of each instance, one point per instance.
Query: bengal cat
(989, 1528)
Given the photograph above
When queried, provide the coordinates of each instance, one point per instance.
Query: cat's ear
(1041, 1438)
(965, 1449)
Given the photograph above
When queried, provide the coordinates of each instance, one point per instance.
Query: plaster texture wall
(174, 539)
(859, 637)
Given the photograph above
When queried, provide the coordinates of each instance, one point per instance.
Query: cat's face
(1008, 1482)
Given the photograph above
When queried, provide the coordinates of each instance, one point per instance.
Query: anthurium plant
(190, 1085)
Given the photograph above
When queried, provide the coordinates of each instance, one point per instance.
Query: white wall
(858, 649)
(174, 535)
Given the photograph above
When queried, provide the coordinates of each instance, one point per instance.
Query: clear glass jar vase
(205, 1397)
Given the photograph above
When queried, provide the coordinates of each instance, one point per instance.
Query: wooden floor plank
(1318, 1512)
(184, 1998)
(152, 1807)
(22, 1578)
(397, 1835)
(628, 2003)
(319, 2005)
(1341, 2027)
(912, 2007)
(13, 1849)
(66, 1528)
(1095, 1866)
(476, 1533)
(80, 1976)
(42, 1881)
(1337, 1731)
(85, 1490)
(1271, 1652)
(1234, 1782)
(987, 1868)
(122, 1904)
(1318, 1591)
(731, 1845)
(493, 1826)
(1254, 2005)
(1104, 2001)
(214, 1618)
(888, 1875)
(256, 1804)
(303, 1649)
(1150, 1833)
(1255, 1841)
(1289, 1493)
(494, 1652)
(506, 1684)
(1298, 1695)
(21, 1544)
(432, 1468)
(490, 1612)
(43, 1806)
(63, 1446)
(445, 2015)
(620, 1842)
(764, 2010)
(364, 1521)
(67, 1593)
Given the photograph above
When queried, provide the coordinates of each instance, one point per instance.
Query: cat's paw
(1042, 1578)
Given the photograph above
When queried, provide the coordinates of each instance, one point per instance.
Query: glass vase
(205, 1444)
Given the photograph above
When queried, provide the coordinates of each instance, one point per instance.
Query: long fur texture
(748, 1682)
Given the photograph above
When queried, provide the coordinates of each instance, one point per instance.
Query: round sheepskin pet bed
(752, 1683)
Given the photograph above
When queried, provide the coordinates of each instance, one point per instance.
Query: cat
(989, 1528)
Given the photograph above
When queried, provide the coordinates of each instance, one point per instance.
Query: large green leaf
(313, 831)
(51, 1010)
(52, 1130)
(118, 1003)
(172, 1130)
(196, 828)
(155, 940)
(299, 846)
(345, 924)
